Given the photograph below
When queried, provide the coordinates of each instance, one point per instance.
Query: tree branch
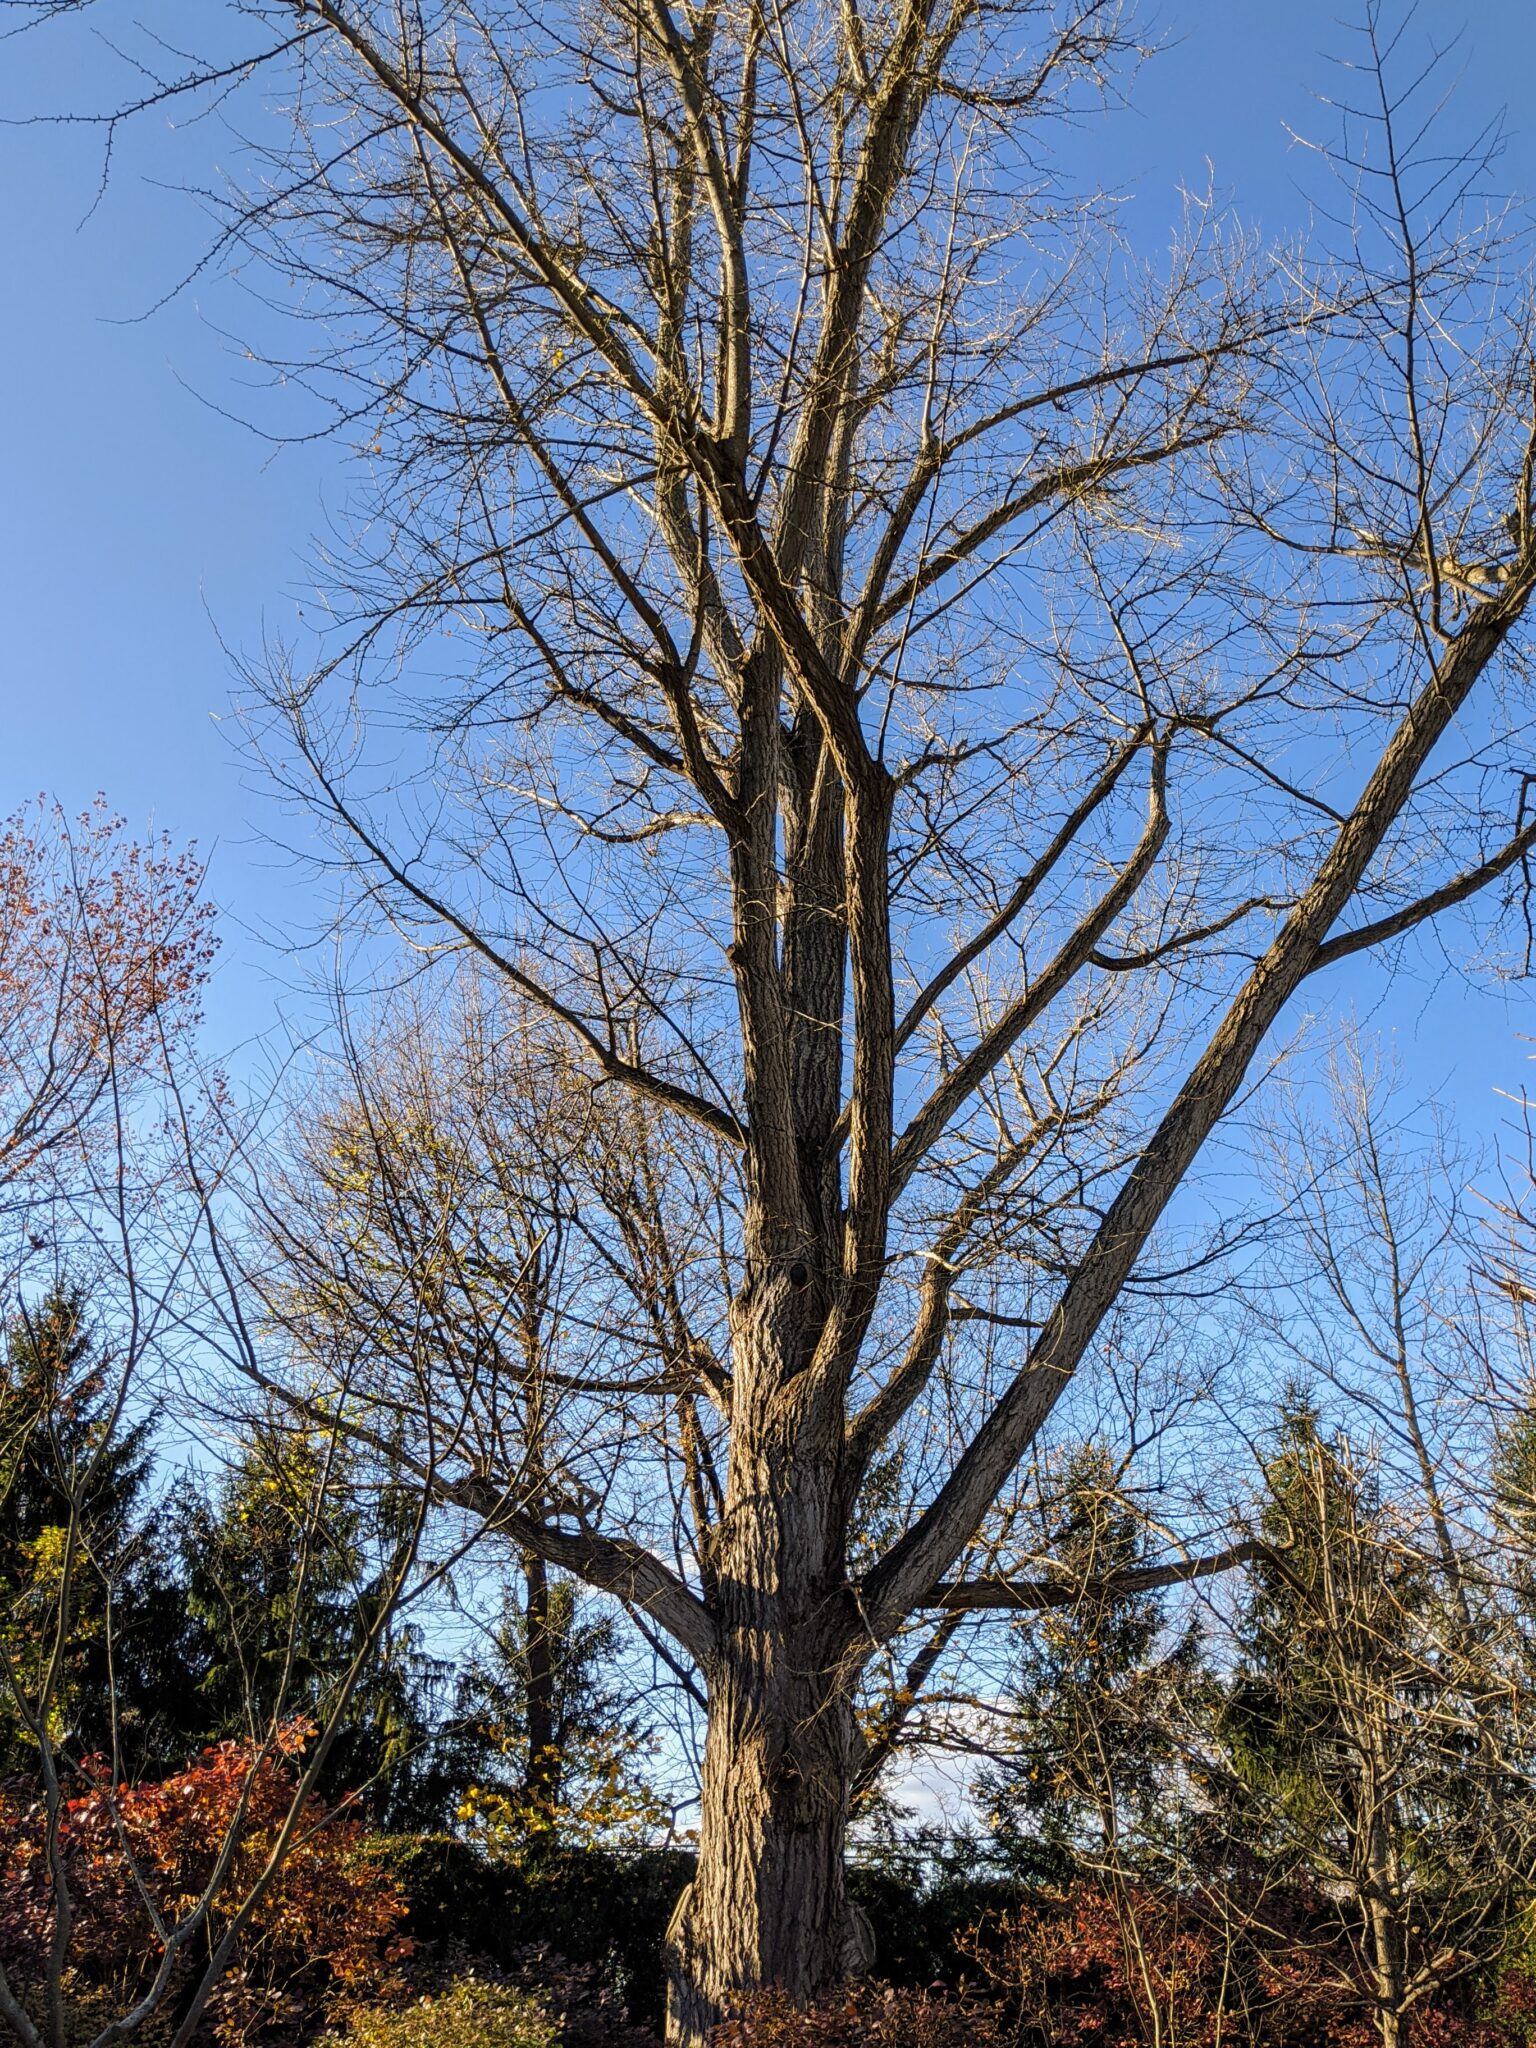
(928, 1125)
(671, 1094)
(910, 1568)
(881, 1743)
(1035, 1596)
(628, 1570)
(1028, 883)
(1443, 898)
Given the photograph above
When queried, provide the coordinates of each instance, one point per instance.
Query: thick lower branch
(628, 1570)
(1033, 1596)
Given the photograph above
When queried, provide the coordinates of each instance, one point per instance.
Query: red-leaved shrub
(1088, 1967)
(870, 2015)
(326, 1936)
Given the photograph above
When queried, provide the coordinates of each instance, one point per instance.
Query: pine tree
(69, 1461)
(1362, 1728)
(1094, 1690)
(285, 1564)
(554, 1746)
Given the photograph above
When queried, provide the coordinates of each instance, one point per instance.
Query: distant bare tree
(1380, 1717)
(105, 943)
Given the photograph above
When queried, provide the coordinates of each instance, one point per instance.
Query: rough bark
(769, 1904)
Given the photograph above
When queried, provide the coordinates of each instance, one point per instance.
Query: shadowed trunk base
(769, 1906)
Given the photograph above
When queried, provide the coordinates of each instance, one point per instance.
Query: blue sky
(144, 533)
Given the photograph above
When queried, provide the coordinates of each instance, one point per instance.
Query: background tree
(104, 946)
(114, 1180)
(458, 1194)
(124, 1688)
(1363, 1732)
(1514, 1481)
(894, 630)
(95, 1880)
(557, 1745)
(1097, 1695)
(286, 1565)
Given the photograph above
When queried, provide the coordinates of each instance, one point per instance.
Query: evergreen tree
(80, 1529)
(1094, 1693)
(552, 1744)
(1514, 1490)
(285, 1565)
(1365, 1731)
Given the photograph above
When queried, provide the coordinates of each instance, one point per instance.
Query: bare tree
(104, 946)
(924, 694)
(1375, 1296)
(1384, 1617)
(495, 1253)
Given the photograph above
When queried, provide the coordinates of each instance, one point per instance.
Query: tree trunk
(769, 1904)
(1384, 1892)
(542, 1775)
(1387, 1969)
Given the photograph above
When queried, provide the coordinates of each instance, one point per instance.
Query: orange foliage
(325, 1936)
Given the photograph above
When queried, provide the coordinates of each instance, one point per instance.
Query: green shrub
(469, 2014)
(589, 1907)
